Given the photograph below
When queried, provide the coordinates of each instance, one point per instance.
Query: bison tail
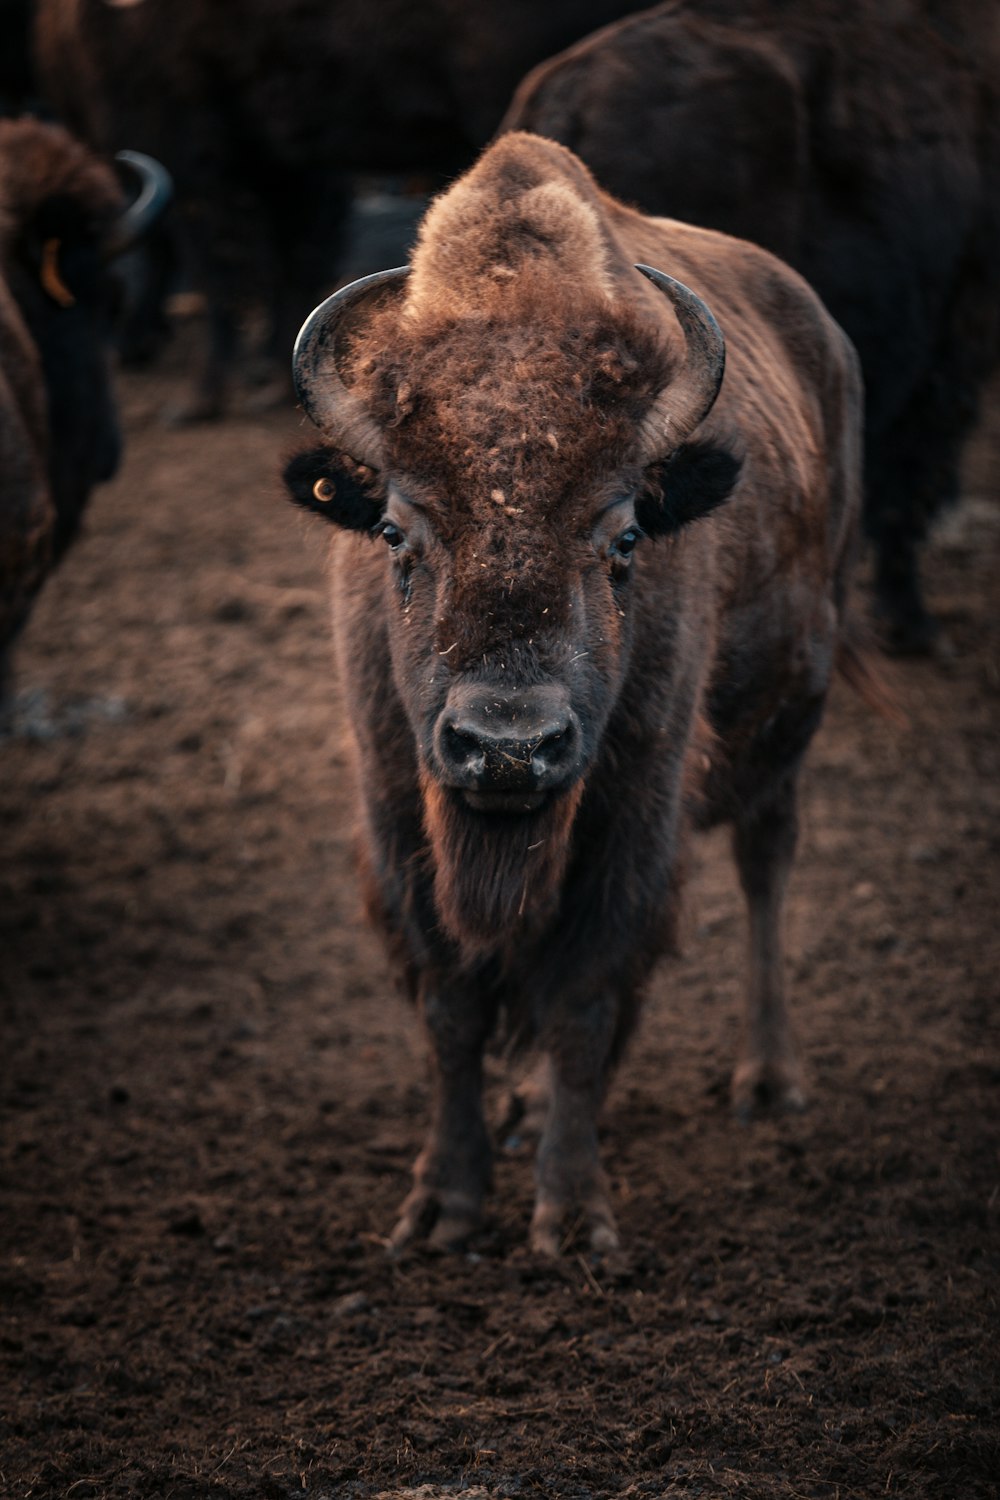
(868, 673)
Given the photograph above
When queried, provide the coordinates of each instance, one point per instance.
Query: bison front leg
(769, 1070)
(452, 1172)
(570, 1179)
(525, 1108)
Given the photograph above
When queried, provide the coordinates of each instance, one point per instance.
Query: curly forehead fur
(39, 163)
(508, 376)
(512, 222)
(521, 414)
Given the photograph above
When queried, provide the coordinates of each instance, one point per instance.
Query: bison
(262, 110)
(587, 595)
(17, 83)
(63, 217)
(862, 144)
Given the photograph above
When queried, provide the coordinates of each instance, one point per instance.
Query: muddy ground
(211, 1095)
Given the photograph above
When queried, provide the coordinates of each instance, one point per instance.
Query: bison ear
(334, 487)
(692, 482)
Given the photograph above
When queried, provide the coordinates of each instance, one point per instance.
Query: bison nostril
(553, 749)
(462, 749)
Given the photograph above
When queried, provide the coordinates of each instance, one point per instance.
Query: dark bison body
(600, 606)
(62, 218)
(262, 108)
(862, 144)
(17, 83)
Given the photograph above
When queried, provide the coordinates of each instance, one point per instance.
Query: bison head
(510, 463)
(63, 221)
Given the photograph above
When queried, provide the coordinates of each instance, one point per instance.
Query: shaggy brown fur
(510, 379)
(57, 204)
(41, 162)
(496, 886)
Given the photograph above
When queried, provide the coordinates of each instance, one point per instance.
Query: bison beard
(496, 878)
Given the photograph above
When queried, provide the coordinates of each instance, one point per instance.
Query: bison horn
(689, 398)
(155, 191)
(327, 401)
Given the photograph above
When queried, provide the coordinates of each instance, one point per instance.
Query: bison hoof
(549, 1216)
(444, 1220)
(759, 1085)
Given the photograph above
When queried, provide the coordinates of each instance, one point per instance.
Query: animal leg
(769, 1070)
(213, 264)
(570, 1179)
(452, 1172)
(525, 1108)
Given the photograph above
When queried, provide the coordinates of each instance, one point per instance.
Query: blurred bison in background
(17, 83)
(261, 110)
(860, 142)
(601, 605)
(63, 217)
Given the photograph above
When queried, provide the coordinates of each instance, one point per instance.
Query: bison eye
(391, 535)
(625, 545)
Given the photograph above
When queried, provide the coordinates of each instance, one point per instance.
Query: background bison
(261, 111)
(62, 218)
(17, 84)
(862, 144)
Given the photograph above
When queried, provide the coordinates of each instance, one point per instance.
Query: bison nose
(529, 742)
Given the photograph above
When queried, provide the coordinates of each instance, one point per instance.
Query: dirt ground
(211, 1095)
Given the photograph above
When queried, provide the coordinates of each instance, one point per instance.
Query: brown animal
(860, 141)
(63, 218)
(601, 606)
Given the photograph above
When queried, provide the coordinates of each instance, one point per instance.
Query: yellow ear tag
(324, 491)
(50, 278)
